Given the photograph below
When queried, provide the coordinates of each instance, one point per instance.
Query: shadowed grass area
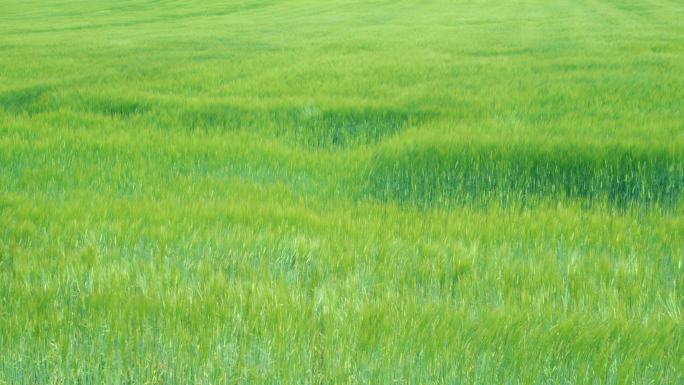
(27, 100)
(430, 170)
(307, 126)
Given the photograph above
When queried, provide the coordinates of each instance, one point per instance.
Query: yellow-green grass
(317, 192)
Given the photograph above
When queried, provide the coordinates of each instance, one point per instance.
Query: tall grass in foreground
(254, 291)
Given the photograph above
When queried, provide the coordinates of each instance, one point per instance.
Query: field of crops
(342, 192)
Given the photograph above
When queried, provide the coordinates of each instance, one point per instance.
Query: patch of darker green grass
(300, 126)
(347, 127)
(28, 100)
(465, 172)
(117, 108)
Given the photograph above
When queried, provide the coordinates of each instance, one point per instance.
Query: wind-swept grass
(348, 192)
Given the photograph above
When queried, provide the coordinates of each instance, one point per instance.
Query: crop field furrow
(347, 192)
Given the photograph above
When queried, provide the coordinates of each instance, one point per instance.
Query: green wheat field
(342, 192)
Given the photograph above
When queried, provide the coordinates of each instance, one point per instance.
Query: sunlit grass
(341, 192)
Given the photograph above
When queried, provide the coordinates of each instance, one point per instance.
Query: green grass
(310, 192)
(445, 170)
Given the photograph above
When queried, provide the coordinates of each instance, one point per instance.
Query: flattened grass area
(286, 192)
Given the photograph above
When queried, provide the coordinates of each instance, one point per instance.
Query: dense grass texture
(430, 170)
(342, 192)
